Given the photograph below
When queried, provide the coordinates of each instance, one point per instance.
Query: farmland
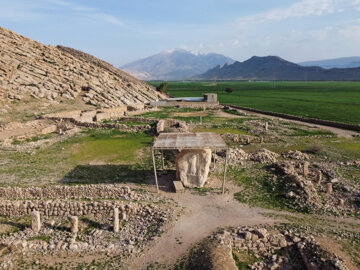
(334, 101)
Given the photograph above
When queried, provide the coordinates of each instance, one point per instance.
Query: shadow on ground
(113, 174)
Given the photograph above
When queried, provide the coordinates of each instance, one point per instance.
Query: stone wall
(73, 192)
(65, 208)
(185, 104)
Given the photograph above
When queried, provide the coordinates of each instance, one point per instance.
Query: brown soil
(227, 115)
(202, 215)
(336, 248)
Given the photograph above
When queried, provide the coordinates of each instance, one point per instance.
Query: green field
(335, 101)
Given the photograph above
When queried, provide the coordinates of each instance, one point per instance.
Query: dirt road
(202, 215)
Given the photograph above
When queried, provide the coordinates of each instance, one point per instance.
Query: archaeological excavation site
(99, 170)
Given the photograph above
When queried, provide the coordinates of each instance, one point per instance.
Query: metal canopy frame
(189, 141)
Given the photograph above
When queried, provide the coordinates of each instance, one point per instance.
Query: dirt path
(338, 131)
(202, 216)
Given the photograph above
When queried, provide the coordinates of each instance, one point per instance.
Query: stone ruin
(171, 126)
(237, 156)
(83, 218)
(278, 249)
(310, 187)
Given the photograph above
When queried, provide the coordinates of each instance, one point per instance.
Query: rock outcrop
(29, 69)
(192, 167)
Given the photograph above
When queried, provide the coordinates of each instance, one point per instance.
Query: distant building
(209, 100)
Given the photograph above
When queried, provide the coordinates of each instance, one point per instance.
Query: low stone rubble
(273, 248)
(264, 156)
(314, 193)
(295, 155)
(237, 156)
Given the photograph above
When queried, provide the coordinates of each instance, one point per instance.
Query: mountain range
(177, 64)
(344, 62)
(276, 68)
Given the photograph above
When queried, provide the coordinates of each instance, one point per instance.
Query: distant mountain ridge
(344, 62)
(276, 68)
(177, 64)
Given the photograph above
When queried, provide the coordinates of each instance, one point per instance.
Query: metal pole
(225, 166)
(162, 159)
(156, 180)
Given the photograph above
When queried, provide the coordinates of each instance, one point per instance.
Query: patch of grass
(45, 238)
(33, 139)
(14, 224)
(76, 159)
(109, 146)
(90, 224)
(303, 132)
(351, 147)
(259, 189)
(221, 130)
(243, 259)
(202, 191)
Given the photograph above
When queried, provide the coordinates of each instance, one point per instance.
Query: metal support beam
(225, 166)
(156, 180)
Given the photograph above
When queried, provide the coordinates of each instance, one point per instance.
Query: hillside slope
(275, 68)
(344, 62)
(30, 70)
(174, 65)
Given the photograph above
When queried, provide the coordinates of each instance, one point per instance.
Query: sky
(121, 31)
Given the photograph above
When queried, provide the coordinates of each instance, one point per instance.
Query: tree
(162, 87)
(229, 90)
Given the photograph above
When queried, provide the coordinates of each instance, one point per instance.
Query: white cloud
(105, 17)
(32, 11)
(303, 8)
(356, 3)
(70, 5)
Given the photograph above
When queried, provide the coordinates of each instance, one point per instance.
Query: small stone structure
(329, 188)
(178, 187)
(171, 126)
(306, 168)
(35, 221)
(116, 220)
(318, 177)
(207, 101)
(74, 225)
(192, 167)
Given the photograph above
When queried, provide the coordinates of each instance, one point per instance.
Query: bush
(229, 90)
(314, 149)
(162, 87)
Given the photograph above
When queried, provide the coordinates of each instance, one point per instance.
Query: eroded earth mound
(29, 69)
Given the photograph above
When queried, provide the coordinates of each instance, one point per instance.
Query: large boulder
(192, 167)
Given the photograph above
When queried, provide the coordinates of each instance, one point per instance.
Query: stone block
(192, 167)
(178, 187)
